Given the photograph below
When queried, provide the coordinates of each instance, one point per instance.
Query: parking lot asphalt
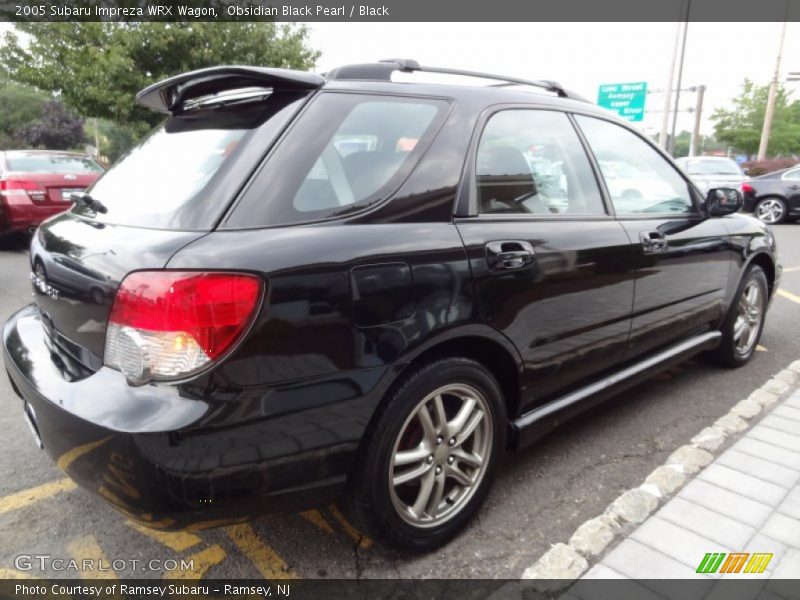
(540, 497)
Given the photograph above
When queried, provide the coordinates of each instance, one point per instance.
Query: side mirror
(723, 201)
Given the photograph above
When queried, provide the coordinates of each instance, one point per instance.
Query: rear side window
(51, 163)
(346, 152)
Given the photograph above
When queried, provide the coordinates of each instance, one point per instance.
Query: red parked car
(36, 184)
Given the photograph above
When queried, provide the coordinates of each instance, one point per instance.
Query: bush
(760, 167)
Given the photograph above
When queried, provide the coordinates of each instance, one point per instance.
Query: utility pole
(662, 136)
(698, 110)
(680, 77)
(771, 97)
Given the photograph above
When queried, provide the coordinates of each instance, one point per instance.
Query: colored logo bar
(735, 562)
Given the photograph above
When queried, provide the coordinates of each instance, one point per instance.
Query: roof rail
(382, 71)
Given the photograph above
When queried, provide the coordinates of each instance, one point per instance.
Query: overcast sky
(580, 56)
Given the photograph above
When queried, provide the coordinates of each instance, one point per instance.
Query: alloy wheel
(748, 318)
(441, 455)
(770, 211)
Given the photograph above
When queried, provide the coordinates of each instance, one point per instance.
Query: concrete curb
(571, 560)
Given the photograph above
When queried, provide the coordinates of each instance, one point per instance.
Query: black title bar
(407, 10)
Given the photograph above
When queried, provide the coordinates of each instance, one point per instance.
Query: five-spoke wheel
(430, 454)
(771, 210)
(748, 318)
(440, 455)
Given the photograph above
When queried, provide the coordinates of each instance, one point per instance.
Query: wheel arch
(766, 262)
(482, 344)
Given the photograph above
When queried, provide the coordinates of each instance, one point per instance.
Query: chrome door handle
(653, 242)
(509, 254)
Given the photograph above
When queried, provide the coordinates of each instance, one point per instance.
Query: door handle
(653, 242)
(509, 254)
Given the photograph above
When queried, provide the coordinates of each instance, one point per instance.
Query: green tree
(741, 125)
(19, 107)
(115, 140)
(682, 142)
(98, 67)
(57, 129)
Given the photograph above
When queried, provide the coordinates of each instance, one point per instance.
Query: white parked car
(713, 171)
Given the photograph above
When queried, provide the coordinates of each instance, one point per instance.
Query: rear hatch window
(184, 174)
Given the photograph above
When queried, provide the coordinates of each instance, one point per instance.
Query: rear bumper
(25, 214)
(170, 460)
(750, 202)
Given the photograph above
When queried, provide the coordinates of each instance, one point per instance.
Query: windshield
(710, 166)
(52, 163)
(185, 173)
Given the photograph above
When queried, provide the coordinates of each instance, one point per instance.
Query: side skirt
(534, 424)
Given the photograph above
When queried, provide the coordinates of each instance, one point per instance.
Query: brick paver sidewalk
(746, 501)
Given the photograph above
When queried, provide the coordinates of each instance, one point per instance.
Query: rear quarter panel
(307, 328)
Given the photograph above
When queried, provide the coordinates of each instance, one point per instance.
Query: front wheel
(771, 210)
(741, 330)
(428, 461)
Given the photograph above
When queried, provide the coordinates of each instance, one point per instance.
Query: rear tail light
(166, 325)
(13, 188)
(747, 188)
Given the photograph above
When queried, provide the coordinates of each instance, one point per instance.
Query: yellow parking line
(66, 459)
(788, 295)
(87, 547)
(201, 525)
(264, 558)
(315, 518)
(760, 348)
(791, 269)
(355, 534)
(201, 561)
(32, 495)
(177, 540)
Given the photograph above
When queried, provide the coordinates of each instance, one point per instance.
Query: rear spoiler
(168, 96)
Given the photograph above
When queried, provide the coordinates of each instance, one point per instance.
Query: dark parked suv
(343, 285)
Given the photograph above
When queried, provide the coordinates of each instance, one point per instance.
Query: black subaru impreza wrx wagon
(306, 287)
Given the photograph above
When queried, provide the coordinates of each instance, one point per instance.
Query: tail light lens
(747, 188)
(10, 188)
(165, 325)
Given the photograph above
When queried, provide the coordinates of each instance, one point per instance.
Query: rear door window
(346, 152)
(531, 162)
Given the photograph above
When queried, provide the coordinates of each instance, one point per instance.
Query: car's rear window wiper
(89, 202)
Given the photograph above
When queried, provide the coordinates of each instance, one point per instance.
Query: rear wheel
(771, 210)
(429, 460)
(741, 330)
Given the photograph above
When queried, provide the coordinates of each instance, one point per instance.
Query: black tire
(728, 354)
(371, 497)
(780, 203)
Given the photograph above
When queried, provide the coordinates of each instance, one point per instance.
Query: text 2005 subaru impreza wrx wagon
(301, 287)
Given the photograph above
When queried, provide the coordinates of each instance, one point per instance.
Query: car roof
(697, 158)
(778, 173)
(12, 153)
(171, 95)
(488, 95)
